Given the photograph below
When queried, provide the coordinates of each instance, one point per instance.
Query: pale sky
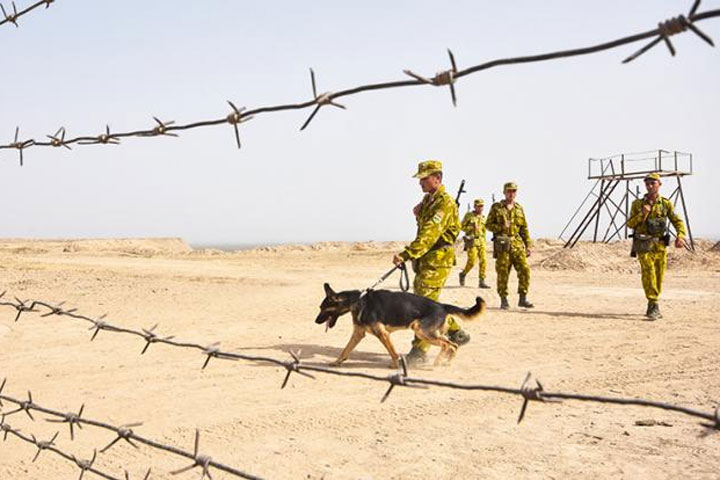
(85, 63)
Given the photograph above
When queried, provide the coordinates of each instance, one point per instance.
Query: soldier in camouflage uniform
(648, 218)
(432, 251)
(511, 245)
(473, 225)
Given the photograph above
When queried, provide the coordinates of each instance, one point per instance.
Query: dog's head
(333, 305)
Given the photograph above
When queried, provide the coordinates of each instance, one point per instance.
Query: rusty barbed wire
(13, 17)
(399, 378)
(447, 77)
(124, 432)
(85, 465)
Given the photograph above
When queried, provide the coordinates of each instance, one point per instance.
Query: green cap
(478, 202)
(427, 168)
(652, 176)
(510, 186)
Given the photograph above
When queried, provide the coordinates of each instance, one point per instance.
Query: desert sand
(586, 335)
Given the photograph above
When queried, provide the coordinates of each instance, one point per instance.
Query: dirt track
(586, 335)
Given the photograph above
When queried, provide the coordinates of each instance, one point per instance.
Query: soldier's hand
(646, 209)
(416, 209)
(397, 260)
(680, 242)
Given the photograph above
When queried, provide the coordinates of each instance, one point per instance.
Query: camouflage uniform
(474, 227)
(654, 262)
(519, 242)
(432, 251)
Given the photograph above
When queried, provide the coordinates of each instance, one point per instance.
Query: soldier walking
(649, 219)
(432, 251)
(473, 225)
(511, 245)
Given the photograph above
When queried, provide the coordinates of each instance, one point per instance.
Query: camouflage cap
(478, 201)
(510, 186)
(427, 168)
(652, 176)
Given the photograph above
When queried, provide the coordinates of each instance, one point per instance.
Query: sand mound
(584, 257)
(146, 247)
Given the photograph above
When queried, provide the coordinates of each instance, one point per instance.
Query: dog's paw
(335, 363)
(394, 365)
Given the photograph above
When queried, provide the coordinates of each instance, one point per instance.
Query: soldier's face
(430, 183)
(478, 209)
(510, 195)
(652, 186)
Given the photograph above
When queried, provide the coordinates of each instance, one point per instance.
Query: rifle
(461, 190)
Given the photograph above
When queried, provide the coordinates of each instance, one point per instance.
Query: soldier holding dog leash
(432, 251)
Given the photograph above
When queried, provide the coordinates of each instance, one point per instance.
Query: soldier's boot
(523, 302)
(462, 279)
(458, 337)
(504, 303)
(654, 311)
(416, 357)
(482, 284)
(649, 309)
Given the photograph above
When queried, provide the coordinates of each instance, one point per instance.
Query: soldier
(511, 245)
(473, 225)
(432, 251)
(648, 218)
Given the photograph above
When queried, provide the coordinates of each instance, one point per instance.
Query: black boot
(458, 337)
(416, 357)
(482, 284)
(504, 303)
(653, 312)
(523, 302)
(462, 279)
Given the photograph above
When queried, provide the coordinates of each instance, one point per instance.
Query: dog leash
(404, 279)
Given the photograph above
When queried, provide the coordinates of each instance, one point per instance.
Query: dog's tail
(468, 313)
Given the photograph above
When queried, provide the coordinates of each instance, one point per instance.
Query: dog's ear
(328, 291)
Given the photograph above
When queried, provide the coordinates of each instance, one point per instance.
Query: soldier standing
(432, 251)
(473, 225)
(649, 217)
(511, 245)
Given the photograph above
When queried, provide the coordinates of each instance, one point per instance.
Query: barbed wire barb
(124, 432)
(200, 460)
(24, 406)
(235, 118)
(85, 465)
(445, 77)
(319, 101)
(151, 337)
(43, 445)
(294, 366)
(71, 419)
(58, 140)
(20, 145)
(671, 27)
(12, 18)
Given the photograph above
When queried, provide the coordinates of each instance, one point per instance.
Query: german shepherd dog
(381, 312)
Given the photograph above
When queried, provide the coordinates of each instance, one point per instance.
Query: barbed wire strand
(12, 17)
(85, 465)
(663, 32)
(124, 432)
(399, 378)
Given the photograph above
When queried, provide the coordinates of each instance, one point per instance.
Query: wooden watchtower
(618, 180)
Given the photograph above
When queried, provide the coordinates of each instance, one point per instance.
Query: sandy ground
(586, 335)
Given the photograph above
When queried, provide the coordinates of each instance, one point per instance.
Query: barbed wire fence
(448, 77)
(11, 17)
(124, 432)
(530, 390)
